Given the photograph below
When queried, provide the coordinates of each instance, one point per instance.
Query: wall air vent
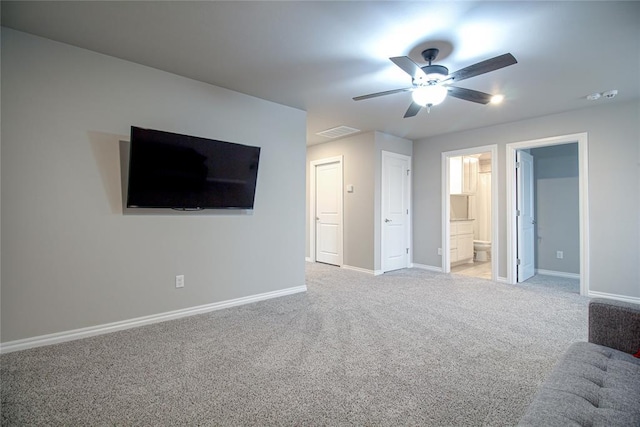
(337, 132)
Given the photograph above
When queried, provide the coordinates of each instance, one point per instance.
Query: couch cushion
(591, 385)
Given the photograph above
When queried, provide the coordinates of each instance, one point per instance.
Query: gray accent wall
(70, 257)
(557, 210)
(362, 168)
(613, 179)
(358, 170)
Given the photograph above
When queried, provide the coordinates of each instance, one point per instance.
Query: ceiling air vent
(337, 132)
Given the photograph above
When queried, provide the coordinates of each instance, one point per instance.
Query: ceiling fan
(431, 83)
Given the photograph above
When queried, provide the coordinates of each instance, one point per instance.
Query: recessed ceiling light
(497, 99)
(593, 96)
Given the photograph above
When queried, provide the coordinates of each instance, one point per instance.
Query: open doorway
(545, 243)
(470, 212)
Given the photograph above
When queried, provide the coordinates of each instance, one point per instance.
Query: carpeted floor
(553, 283)
(410, 347)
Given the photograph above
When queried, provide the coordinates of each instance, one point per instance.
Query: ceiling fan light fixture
(431, 83)
(429, 95)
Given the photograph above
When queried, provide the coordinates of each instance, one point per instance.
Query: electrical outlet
(180, 281)
(439, 251)
(559, 254)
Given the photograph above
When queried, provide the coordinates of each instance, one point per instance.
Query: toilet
(482, 250)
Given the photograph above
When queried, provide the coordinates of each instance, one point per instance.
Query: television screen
(168, 170)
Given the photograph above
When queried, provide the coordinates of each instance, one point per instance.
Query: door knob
(387, 220)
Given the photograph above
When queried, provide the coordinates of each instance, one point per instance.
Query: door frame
(446, 204)
(312, 205)
(583, 195)
(407, 196)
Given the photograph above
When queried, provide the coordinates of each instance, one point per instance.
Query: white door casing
(525, 215)
(395, 198)
(327, 212)
(583, 173)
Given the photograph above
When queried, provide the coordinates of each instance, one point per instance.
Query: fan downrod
(430, 54)
(434, 73)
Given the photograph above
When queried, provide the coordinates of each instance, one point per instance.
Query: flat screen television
(169, 170)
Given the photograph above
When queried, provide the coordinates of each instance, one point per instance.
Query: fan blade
(413, 110)
(387, 92)
(483, 67)
(408, 66)
(469, 95)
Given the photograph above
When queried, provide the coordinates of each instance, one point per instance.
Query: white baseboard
(362, 270)
(595, 294)
(76, 334)
(427, 267)
(308, 259)
(358, 269)
(502, 279)
(558, 274)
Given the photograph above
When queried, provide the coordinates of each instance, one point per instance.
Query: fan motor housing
(435, 72)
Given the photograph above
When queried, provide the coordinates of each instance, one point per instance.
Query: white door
(328, 212)
(395, 211)
(525, 220)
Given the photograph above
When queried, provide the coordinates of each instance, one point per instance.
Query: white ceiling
(316, 56)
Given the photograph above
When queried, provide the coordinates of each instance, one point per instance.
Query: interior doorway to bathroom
(469, 217)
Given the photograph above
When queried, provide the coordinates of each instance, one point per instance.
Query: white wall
(70, 258)
(614, 188)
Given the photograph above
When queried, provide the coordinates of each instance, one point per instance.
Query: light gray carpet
(553, 283)
(410, 347)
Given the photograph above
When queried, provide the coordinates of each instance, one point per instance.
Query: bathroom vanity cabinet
(461, 243)
(463, 175)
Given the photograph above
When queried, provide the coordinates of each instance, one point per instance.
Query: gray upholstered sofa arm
(595, 383)
(615, 324)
